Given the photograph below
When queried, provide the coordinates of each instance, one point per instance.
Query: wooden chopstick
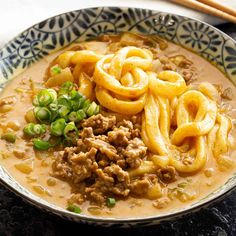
(196, 5)
(219, 6)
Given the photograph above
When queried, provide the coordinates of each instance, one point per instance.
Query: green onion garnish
(73, 116)
(44, 98)
(41, 145)
(111, 202)
(75, 95)
(66, 88)
(80, 115)
(56, 70)
(70, 131)
(29, 129)
(42, 114)
(32, 129)
(56, 109)
(58, 126)
(86, 105)
(74, 208)
(64, 100)
(53, 94)
(63, 111)
(91, 110)
(9, 137)
(53, 107)
(77, 103)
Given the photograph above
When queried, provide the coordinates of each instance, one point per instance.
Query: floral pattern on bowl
(59, 31)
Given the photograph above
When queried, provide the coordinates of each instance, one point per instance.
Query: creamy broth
(37, 181)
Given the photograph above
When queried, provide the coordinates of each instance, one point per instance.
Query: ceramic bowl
(58, 31)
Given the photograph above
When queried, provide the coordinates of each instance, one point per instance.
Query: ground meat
(111, 181)
(87, 133)
(76, 198)
(104, 147)
(119, 136)
(121, 175)
(140, 187)
(75, 167)
(167, 174)
(161, 203)
(135, 152)
(100, 124)
(98, 166)
(126, 123)
(94, 195)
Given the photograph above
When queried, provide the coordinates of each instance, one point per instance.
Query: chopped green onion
(32, 129)
(111, 202)
(56, 70)
(63, 111)
(58, 126)
(75, 95)
(39, 129)
(80, 115)
(53, 107)
(74, 208)
(97, 110)
(35, 101)
(53, 94)
(41, 145)
(77, 103)
(86, 105)
(70, 129)
(54, 115)
(9, 137)
(91, 109)
(66, 87)
(64, 100)
(29, 129)
(42, 114)
(73, 116)
(44, 98)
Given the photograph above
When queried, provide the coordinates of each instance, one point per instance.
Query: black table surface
(20, 218)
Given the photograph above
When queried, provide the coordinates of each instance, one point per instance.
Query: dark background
(19, 218)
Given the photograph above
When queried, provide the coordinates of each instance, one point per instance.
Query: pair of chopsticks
(210, 7)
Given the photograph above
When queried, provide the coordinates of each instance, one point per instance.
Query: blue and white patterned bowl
(59, 31)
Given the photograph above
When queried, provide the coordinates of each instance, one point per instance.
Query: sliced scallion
(58, 126)
(29, 129)
(53, 107)
(111, 202)
(74, 208)
(73, 116)
(41, 144)
(86, 105)
(44, 98)
(9, 137)
(32, 129)
(70, 131)
(63, 111)
(91, 109)
(80, 115)
(64, 100)
(66, 88)
(43, 114)
(56, 70)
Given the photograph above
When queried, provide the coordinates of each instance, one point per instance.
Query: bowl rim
(52, 208)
